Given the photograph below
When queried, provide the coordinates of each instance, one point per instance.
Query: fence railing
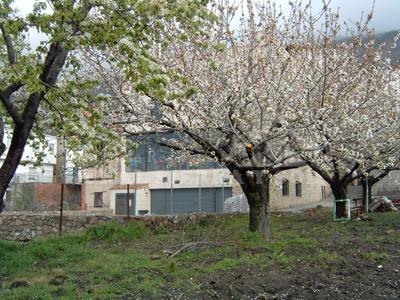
(29, 193)
(44, 178)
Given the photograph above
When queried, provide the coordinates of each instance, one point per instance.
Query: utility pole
(61, 160)
(127, 202)
(223, 196)
(172, 180)
(61, 210)
(59, 176)
(366, 194)
(135, 185)
(200, 193)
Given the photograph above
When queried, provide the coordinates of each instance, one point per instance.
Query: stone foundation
(23, 226)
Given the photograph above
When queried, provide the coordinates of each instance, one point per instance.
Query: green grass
(117, 232)
(117, 260)
(375, 256)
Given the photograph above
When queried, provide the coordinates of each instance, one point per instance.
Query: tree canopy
(272, 93)
(45, 89)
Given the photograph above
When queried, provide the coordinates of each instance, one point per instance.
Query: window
(32, 174)
(323, 192)
(51, 149)
(285, 187)
(75, 174)
(98, 199)
(298, 189)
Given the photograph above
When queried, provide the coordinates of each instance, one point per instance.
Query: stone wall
(23, 226)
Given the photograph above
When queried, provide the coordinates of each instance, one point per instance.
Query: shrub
(117, 232)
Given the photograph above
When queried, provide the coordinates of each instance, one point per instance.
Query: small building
(298, 187)
(160, 182)
(157, 192)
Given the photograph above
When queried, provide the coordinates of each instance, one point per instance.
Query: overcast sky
(386, 14)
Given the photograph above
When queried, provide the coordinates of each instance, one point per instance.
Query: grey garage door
(121, 206)
(188, 200)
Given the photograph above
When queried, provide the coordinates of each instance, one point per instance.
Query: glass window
(285, 187)
(32, 174)
(298, 189)
(323, 192)
(149, 155)
(98, 199)
(51, 149)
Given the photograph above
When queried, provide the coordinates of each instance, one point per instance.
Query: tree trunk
(256, 189)
(61, 162)
(367, 188)
(339, 192)
(2, 132)
(51, 69)
(19, 138)
(259, 218)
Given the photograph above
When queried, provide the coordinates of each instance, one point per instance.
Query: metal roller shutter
(188, 201)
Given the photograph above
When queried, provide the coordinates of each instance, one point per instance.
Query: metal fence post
(366, 194)
(127, 202)
(135, 198)
(200, 193)
(223, 192)
(172, 180)
(61, 210)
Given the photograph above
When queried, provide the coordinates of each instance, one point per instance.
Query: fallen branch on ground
(191, 247)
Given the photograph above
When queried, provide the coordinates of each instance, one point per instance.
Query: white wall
(49, 160)
(29, 152)
(388, 185)
(45, 170)
(311, 184)
(187, 178)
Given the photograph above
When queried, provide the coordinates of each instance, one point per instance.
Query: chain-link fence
(36, 192)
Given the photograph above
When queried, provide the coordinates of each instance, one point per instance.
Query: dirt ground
(343, 281)
(362, 269)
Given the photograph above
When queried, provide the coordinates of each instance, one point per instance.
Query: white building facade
(30, 171)
(27, 169)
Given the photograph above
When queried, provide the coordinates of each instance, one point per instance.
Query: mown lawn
(308, 258)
